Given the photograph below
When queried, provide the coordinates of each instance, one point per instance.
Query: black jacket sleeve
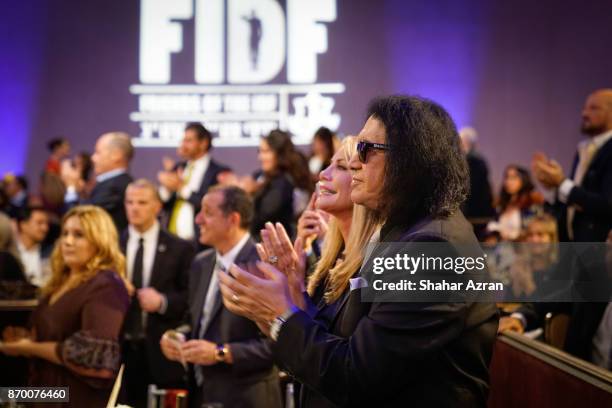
(392, 340)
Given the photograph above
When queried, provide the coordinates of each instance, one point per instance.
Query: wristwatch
(221, 353)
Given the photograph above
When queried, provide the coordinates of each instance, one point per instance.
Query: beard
(589, 129)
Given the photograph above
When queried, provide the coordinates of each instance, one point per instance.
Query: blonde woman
(75, 328)
(347, 234)
(537, 261)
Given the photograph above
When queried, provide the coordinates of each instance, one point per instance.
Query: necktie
(137, 267)
(172, 224)
(135, 312)
(207, 309)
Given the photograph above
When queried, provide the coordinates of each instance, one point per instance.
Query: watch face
(220, 353)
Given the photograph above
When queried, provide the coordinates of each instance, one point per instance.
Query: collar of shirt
(148, 236)
(230, 256)
(22, 249)
(201, 162)
(109, 175)
(19, 198)
(599, 140)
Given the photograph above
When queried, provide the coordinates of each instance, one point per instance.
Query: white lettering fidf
(256, 39)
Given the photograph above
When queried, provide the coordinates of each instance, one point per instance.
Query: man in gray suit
(230, 360)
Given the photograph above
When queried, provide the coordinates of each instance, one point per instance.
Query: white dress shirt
(222, 261)
(584, 162)
(149, 249)
(186, 215)
(36, 270)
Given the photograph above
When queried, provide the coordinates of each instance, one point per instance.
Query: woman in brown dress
(75, 329)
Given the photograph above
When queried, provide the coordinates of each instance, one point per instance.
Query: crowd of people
(207, 280)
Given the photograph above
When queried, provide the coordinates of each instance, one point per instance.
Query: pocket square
(358, 283)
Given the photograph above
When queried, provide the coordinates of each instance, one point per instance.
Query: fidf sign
(240, 46)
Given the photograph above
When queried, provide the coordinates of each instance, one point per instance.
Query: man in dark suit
(478, 207)
(408, 170)
(16, 189)
(111, 160)
(158, 266)
(584, 200)
(32, 228)
(183, 185)
(231, 361)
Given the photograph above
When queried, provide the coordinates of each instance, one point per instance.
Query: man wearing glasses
(409, 171)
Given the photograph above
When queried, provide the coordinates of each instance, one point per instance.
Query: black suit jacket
(110, 195)
(479, 203)
(594, 197)
(274, 203)
(395, 354)
(209, 180)
(170, 275)
(252, 379)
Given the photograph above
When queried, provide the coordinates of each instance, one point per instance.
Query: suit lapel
(123, 239)
(158, 260)
(601, 154)
(207, 180)
(244, 256)
(340, 307)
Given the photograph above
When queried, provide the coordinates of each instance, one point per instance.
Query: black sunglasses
(363, 147)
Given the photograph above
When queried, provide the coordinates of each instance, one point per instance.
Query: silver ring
(273, 259)
(235, 298)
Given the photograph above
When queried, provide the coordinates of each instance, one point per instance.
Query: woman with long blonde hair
(74, 339)
(346, 236)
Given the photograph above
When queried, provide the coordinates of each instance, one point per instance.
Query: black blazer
(479, 203)
(110, 195)
(395, 354)
(170, 275)
(594, 196)
(252, 379)
(274, 203)
(209, 180)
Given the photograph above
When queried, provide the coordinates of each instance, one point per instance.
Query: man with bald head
(111, 160)
(585, 197)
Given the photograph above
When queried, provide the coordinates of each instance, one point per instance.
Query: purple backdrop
(517, 71)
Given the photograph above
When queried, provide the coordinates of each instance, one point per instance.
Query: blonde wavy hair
(340, 260)
(100, 231)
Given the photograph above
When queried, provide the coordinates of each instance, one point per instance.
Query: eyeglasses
(363, 147)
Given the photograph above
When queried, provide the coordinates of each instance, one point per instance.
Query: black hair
(426, 175)
(524, 193)
(23, 182)
(326, 136)
(56, 142)
(201, 133)
(289, 159)
(237, 200)
(87, 165)
(25, 213)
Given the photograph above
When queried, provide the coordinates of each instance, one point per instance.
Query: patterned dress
(85, 322)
